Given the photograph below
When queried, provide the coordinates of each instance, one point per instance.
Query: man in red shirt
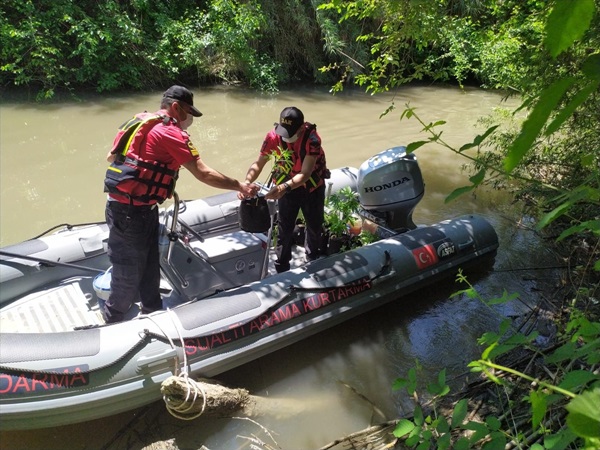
(145, 160)
(299, 182)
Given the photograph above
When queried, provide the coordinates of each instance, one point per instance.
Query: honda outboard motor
(389, 187)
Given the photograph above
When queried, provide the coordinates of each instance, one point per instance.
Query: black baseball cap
(290, 119)
(184, 95)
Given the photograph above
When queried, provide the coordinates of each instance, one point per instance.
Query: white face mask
(291, 140)
(185, 124)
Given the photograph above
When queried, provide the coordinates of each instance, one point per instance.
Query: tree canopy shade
(112, 45)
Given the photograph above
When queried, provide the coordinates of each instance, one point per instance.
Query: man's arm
(308, 165)
(256, 168)
(216, 179)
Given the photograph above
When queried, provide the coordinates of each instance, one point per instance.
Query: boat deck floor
(74, 304)
(58, 309)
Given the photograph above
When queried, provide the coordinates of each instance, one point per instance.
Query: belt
(126, 207)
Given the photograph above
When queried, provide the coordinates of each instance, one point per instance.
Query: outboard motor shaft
(390, 185)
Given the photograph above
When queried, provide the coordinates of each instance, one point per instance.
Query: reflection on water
(339, 381)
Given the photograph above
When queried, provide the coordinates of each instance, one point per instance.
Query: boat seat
(45, 312)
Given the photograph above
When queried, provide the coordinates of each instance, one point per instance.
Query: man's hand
(276, 192)
(248, 190)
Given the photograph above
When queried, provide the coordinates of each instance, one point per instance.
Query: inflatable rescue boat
(224, 305)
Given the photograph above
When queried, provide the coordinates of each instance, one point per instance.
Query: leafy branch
(281, 165)
(568, 387)
(477, 179)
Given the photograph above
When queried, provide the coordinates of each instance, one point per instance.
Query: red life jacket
(288, 167)
(129, 164)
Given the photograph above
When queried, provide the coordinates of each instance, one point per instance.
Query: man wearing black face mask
(298, 179)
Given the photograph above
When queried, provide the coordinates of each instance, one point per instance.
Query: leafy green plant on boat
(341, 212)
(341, 209)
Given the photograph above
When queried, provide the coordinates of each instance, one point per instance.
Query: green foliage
(400, 36)
(546, 50)
(567, 24)
(366, 237)
(510, 45)
(281, 165)
(557, 104)
(435, 137)
(443, 41)
(341, 210)
(569, 388)
(294, 38)
(554, 155)
(584, 416)
(112, 45)
(432, 430)
(53, 44)
(378, 44)
(26, 53)
(342, 222)
(549, 99)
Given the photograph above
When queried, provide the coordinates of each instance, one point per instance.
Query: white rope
(145, 316)
(177, 408)
(193, 388)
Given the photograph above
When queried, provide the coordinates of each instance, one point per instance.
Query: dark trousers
(133, 253)
(312, 205)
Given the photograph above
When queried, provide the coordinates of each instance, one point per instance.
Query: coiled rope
(181, 408)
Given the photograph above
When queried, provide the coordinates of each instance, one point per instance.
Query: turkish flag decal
(425, 256)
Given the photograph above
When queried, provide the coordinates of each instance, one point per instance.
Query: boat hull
(57, 378)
